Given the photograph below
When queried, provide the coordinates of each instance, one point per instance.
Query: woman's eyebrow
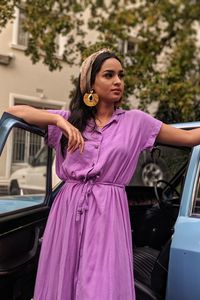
(113, 71)
(108, 70)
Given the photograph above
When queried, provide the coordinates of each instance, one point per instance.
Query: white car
(32, 179)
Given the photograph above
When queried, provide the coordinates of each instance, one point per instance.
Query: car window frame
(7, 123)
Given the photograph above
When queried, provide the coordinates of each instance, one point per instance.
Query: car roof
(187, 125)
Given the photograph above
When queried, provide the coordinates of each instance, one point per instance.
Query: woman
(87, 248)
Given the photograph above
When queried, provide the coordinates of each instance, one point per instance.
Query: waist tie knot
(83, 205)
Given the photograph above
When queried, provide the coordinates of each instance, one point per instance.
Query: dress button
(96, 147)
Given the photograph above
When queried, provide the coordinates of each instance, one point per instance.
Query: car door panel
(20, 242)
(21, 230)
(26, 238)
(185, 254)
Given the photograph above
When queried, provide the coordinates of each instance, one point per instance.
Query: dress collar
(115, 115)
(114, 118)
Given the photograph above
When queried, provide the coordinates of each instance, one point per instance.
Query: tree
(164, 62)
(163, 58)
(45, 21)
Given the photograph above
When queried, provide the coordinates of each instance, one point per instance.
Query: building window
(129, 46)
(25, 146)
(22, 37)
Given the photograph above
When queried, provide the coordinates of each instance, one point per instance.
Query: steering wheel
(167, 192)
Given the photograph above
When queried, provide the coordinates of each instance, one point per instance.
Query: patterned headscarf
(86, 69)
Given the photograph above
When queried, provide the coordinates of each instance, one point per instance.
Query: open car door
(22, 216)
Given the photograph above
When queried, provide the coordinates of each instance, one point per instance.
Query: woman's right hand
(74, 136)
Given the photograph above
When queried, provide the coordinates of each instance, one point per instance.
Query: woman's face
(109, 82)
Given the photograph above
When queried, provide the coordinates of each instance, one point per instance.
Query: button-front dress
(87, 246)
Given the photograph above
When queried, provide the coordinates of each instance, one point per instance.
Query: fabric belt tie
(87, 189)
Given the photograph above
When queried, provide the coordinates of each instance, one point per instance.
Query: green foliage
(45, 21)
(162, 64)
(7, 11)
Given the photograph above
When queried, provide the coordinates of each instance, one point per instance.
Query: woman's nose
(117, 80)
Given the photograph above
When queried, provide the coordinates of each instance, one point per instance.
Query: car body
(31, 179)
(165, 221)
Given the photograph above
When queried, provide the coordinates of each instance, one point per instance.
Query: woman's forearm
(178, 137)
(42, 119)
(31, 115)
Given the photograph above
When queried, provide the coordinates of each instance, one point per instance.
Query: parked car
(165, 221)
(32, 178)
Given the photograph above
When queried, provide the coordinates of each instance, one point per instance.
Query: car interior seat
(150, 271)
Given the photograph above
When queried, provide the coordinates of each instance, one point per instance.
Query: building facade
(22, 82)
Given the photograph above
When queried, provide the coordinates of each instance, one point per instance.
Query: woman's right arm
(43, 118)
(31, 115)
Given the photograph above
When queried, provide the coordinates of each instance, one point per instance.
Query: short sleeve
(150, 127)
(147, 128)
(53, 134)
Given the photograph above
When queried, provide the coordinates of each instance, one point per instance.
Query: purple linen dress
(87, 247)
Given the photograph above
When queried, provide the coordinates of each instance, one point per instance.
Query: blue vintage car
(164, 216)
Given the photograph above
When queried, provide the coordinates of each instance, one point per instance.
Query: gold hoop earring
(91, 99)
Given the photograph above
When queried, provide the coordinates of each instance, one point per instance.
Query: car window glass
(161, 164)
(23, 175)
(196, 203)
(40, 159)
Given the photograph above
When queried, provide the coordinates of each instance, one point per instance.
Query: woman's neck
(103, 115)
(104, 111)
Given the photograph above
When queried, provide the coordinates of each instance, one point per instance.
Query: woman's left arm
(178, 137)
